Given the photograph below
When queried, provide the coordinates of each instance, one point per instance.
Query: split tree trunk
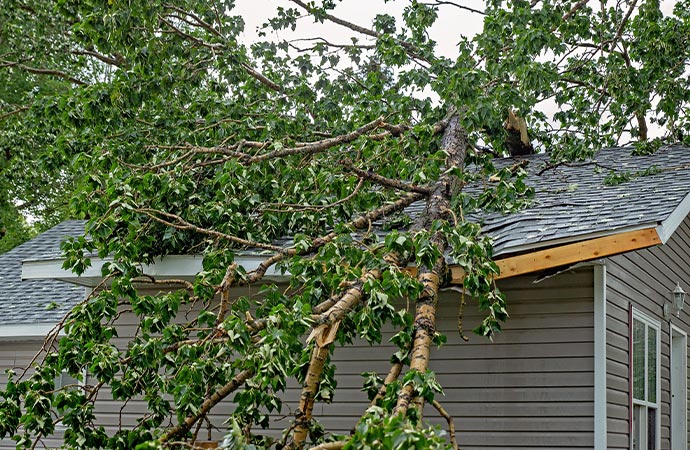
(454, 144)
(324, 334)
(517, 138)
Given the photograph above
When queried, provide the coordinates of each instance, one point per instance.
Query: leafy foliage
(158, 124)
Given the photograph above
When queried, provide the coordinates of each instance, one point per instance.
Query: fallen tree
(340, 164)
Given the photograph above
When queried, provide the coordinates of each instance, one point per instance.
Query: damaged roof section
(581, 211)
(610, 194)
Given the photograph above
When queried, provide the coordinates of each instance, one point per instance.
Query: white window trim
(81, 383)
(600, 419)
(639, 315)
(684, 380)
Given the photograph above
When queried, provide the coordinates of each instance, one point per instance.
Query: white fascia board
(172, 266)
(33, 331)
(572, 239)
(666, 229)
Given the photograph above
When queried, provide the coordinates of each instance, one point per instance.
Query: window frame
(80, 384)
(648, 322)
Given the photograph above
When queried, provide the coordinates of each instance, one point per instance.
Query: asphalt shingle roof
(25, 302)
(573, 199)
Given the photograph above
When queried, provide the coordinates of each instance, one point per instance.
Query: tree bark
(306, 403)
(454, 144)
(327, 320)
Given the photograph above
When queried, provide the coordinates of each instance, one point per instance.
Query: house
(594, 354)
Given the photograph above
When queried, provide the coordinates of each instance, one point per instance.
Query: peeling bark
(455, 144)
(309, 389)
(425, 328)
(324, 335)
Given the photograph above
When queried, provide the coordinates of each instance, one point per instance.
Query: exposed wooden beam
(570, 253)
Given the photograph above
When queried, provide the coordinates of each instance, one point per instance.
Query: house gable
(642, 280)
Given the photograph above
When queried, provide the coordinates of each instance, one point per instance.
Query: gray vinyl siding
(17, 355)
(643, 279)
(531, 388)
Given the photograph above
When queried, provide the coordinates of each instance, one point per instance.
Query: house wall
(643, 279)
(531, 388)
(17, 354)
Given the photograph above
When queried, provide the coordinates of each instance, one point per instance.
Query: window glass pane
(65, 379)
(651, 364)
(637, 419)
(651, 428)
(638, 359)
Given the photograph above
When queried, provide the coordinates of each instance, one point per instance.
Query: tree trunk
(454, 144)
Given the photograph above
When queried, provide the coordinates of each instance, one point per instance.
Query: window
(66, 381)
(645, 382)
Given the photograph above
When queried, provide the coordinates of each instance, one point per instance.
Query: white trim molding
(600, 357)
(679, 387)
(23, 332)
(168, 267)
(666, 229)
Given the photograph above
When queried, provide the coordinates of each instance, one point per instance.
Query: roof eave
(573, 253)
(523, 259)
(669, 226)
(184, 267)
(539, 245)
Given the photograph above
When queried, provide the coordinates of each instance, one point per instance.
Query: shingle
(29, 301)
(570, 201)
(574, 200)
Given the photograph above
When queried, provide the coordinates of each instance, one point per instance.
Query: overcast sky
(452, 22)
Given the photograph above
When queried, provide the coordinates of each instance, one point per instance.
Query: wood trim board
(570, 253)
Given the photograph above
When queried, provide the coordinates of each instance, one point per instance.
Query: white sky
(452, 23)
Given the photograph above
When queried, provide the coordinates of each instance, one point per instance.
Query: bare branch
(177, 222)
(234, 151)
(207, 405)
(383, 181)
(329, 44)
(319, 146)
(261, 78)
(198, 20)
(39, 71)
(219, 47)
(11, 113)
(292, 208)
(189, 37)
(449, 419)
(117, 61)
(621, 26)
(457, 5)
(573, 10)
(411, 49)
